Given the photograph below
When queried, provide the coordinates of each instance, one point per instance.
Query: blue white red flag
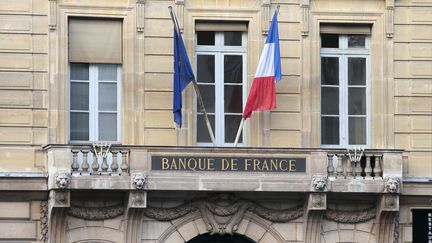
(262, 95)
(183, 73)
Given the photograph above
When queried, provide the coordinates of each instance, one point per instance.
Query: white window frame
(219, 51)
(343, 53)
(94, 103)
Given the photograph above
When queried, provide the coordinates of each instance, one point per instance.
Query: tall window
(94, 102)
(345, 81)
(95, 57)
(221, 75)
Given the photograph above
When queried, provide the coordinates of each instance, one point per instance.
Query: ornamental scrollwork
(44, 221)
(222, 214)
(350, 217)
(96, 213)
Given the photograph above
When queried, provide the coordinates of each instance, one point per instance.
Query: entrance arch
(207, 238)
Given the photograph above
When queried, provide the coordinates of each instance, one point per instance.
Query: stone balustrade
(87, 161)
(343, 165)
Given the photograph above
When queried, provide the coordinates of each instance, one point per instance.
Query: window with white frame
(345, 84)
(221, 77)
(94, 102)
(95, 57)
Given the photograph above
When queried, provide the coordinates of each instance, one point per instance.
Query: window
(221, 75)
(94, 102)
(345, 82)
(95, 57)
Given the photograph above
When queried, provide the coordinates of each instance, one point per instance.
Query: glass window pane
(356, 71)
(330, 130)
(107, 96)
(356, 41)
(356, 101)
(205, 68)
(233, 69)
(202, 132)
(357, 130)
(233, 98)
(107, 72)
(79, 71)
(330, 100)
(208, 96)
(79, 96)
(206, 38)
(232, 123)
(79, 126)
(330, 70)
(107, 127)
(330, 40)
(233, 38)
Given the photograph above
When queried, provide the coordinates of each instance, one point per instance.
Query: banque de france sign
(228, 163)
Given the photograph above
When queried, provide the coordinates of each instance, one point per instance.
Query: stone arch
(358, 232)
(251, 226)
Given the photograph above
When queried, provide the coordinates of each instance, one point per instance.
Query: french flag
(262, 95)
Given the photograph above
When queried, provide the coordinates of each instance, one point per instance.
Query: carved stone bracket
(390, 18)
(223, 213)
(59, 199)
(140, 15)
(180, 13)
(305, 6)
(53, 14)
(137, 199)
(96, 213)
(350, 217)
(265, 16)
(317, 201)
(388, 218)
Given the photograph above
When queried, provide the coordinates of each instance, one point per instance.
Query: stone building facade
(89, 151)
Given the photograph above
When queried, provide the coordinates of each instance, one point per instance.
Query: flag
(183, 73)
(262, 95)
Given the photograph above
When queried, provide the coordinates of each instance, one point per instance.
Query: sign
(422, 225)
(239, 164)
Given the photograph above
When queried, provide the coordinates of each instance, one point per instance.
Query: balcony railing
(368, 166)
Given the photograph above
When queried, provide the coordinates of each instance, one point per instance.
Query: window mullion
(93, 133)
(343, 100)
(219, 82)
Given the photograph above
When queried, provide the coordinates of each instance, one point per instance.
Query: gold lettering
(256, 164)
(265, 165)
(225, 164)
(292, 165)
(285, 168)
(201, 164)
(173, 164)
(192, 166)
(274, 165)
(234, 165)
(210, 164)
(247, 164)
(182, 163)
(165, 163)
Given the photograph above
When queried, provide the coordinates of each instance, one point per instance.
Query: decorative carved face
(139, 181)
(392, 184)
(63, 180)
(319, 183)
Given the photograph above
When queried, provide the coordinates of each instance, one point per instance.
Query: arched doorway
(207, 238)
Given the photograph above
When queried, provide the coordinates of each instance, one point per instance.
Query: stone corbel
(316, 206)
(58, 203)
(140, 16)
(180, 13)
(305, 6)
(53, 14)
(137, 199)
(389, 18)
(387, 217)
(265, 16)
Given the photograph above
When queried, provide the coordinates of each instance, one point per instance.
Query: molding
(350, 217)
(140, 15)
(265, 15)
(52, 15)
(222, 213)
(389, 22)
(305, 6)
(96, 213)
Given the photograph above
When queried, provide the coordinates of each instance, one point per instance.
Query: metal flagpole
(243, 119)
(195, 85)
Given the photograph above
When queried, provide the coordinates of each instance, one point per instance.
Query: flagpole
(195, 85)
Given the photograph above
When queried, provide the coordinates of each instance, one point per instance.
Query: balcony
(223, 169)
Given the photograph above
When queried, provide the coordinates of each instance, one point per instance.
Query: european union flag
(183, 73)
